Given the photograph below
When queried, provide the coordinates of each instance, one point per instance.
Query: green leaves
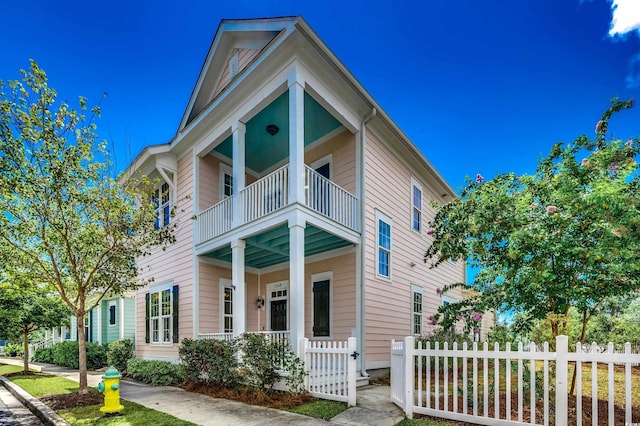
(567, 235)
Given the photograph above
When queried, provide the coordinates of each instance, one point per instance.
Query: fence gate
(398, 382)
(332, 369)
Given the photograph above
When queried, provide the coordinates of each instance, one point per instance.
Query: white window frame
(416, 289)
(225, 283)
(381, 217)
(323, 276)
(327, 159)
(159, 290)
(160, 204)
(447, 300)
(415, 185)
(225, 170)
(115, 313)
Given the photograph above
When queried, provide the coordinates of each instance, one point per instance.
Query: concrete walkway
(374, 406)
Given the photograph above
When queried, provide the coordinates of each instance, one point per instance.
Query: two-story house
(302, 208)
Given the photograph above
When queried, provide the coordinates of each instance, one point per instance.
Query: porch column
(237, 283)
(296, 280)
(296, 140)
(99, 323)
(238, 171)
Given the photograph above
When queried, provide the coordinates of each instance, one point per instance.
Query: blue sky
(479, 86)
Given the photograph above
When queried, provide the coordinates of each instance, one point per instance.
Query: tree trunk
(25, 350)
(82, 353)
(583, 333)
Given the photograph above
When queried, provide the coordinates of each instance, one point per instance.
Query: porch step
(361, 381)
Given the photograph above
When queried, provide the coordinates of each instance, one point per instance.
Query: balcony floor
(272, 246)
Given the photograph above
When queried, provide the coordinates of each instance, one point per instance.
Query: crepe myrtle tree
(66, 220)
(566, 236)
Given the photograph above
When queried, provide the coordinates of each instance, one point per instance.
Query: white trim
(448, 299)
(225, 283)
(416, 184)
(121, 331)
(225, 170)
(386, 219)
(99, 321)
(159, 289)
(416, 289)
(327, 159)
(276, 286)
(323, 276)
(115, 313)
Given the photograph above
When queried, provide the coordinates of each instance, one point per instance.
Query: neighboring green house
(113, 319)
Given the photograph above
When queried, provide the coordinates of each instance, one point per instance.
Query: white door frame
(272, 287)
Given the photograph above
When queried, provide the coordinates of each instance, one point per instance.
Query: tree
(566, 236)
(25, 308)
(66, 221)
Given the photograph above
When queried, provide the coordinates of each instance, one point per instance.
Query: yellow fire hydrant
(110, 387)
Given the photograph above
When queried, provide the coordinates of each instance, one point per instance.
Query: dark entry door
(322, 196)
(278, 315)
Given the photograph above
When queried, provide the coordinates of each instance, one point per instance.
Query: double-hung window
(416, 317)
(226, 181)
(416, 206)
(383, 257)
(112, 313)
(161, 199)
(162, 315)
(227, 300)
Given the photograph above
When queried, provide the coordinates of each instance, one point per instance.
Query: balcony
(270, 194)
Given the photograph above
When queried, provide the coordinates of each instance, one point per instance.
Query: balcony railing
(329, 199)
(271, 193)
(266, 195)
(214, 221)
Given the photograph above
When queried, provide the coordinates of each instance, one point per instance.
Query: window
(321, 305)
(416, 298)
(233, 65)
(162, 203)
(446, 300)
(227, 308)
(162, 315)
(384, 246)
(416, 202)
(226, 182)
(112, 313)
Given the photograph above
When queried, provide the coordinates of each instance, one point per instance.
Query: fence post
(306, 359)
(351, 371)
(562, 374)
(409, 349)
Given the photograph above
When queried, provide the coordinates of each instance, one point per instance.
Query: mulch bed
(273, 399)
(73, 400)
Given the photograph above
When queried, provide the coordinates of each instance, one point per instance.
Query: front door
(279, 315)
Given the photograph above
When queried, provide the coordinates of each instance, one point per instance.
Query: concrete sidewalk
(374, 406)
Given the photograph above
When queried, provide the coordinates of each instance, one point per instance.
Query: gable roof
(248, 37)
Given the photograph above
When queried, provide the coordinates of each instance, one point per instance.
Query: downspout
(360, 301)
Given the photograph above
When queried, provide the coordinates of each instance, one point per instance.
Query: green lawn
(425, 422)
(6, 369)
(46, 384)
(132, 415)
(320, 409)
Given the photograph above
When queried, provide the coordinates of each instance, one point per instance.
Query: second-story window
(416, 204)
(162, 203)
(383, 263)
(226, 181)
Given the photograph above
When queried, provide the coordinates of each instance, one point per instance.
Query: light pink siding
(171, 266)
(245, 56)
(209, 181)
(342, 149)
(388, 302)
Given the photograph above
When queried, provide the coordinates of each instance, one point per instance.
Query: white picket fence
(332, 369)
(451, 385)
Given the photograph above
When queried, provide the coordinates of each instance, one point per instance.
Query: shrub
(213, 362)
(13, 348)
(155, 373)
(66, 355)
(119, 353)
(296, 372)
(261, 360)
(43, 355)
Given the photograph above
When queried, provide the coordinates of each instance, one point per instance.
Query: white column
(237, 282)
(121, 331)
(238, 171)
(194, 257)
(99, 308)
(296, 281)
(296, 140)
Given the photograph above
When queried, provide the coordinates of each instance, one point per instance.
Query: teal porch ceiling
(263, 151)
(272, 246)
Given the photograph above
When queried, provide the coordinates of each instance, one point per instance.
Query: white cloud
(625, 17)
